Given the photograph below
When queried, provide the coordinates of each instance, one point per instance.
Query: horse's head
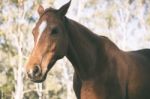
(50, 42)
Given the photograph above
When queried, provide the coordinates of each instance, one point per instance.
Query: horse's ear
(40, 10)
(63, 10)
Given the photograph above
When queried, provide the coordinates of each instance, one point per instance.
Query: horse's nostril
(35, 72)
(36, 69)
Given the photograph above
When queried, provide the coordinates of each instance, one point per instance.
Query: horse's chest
(88, 91)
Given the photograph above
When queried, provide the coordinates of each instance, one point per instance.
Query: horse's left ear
(63, 10)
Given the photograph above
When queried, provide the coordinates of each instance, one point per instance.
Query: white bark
(19, 70)
(39, 90)
(67, 81)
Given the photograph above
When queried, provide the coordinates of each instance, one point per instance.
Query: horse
(101, 69)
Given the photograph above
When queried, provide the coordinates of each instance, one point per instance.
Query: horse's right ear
(40, 10)
(63, 10)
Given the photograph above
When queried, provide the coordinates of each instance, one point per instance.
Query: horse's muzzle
(35, 72)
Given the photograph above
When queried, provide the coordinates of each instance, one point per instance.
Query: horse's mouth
(39, 79)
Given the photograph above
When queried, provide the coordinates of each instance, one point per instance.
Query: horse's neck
(86, 50)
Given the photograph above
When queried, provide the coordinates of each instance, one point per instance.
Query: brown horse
(102, 70)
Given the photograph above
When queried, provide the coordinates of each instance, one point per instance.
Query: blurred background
(125, 22)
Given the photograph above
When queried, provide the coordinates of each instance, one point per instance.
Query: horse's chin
(40, 79)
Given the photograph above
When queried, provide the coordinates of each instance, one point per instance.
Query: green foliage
(6, 45)
(148, 19)
(28, 95)
(7, 89)
(14, 1)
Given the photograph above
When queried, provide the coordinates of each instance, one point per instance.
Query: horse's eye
(55, 31)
